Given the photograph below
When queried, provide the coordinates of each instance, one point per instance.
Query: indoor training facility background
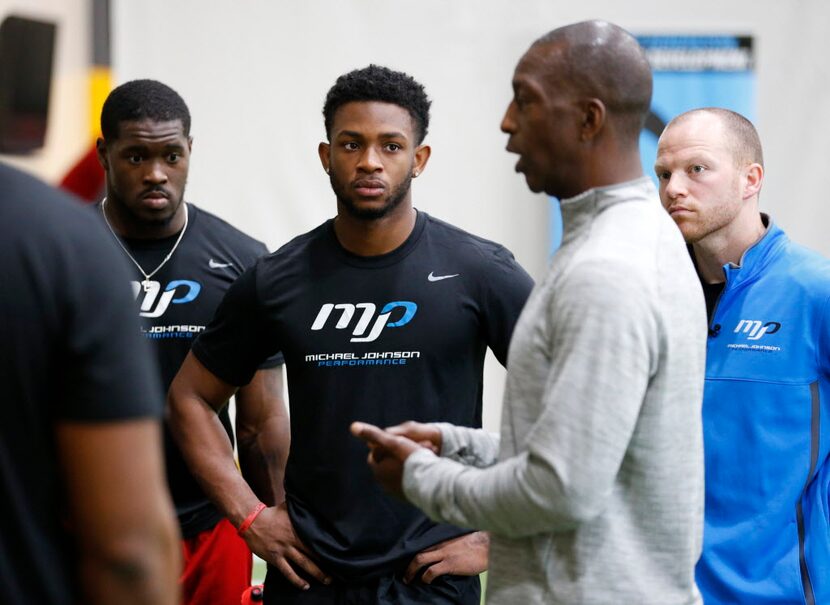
(255, 72)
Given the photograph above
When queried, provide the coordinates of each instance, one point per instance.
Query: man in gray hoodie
(594, 491)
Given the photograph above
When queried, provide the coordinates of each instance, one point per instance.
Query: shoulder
(292, 259)
(207, 224)
(300, 245)
(33, 211)
(803, 269)
(637, 240)
(470, 247)
(29, 200)
(607, 281)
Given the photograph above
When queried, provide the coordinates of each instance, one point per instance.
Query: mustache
(156, 189)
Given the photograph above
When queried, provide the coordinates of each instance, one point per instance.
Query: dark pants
(386, 590)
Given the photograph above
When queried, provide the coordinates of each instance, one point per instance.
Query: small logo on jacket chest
(755, 329)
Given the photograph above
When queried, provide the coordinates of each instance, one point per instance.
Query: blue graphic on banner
(689, 72)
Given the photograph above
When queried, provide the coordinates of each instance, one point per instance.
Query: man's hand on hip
(272, 538)
(463, 556)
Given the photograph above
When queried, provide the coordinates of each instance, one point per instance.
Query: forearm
(517, 497)
(138, 570)
(262, 458)
(207, 450)
(563, 475)
(120, 512)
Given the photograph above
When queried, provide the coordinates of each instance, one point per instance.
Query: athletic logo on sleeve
(432, 277)
(367, 313)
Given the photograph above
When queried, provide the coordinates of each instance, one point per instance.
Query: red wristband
(249, 520)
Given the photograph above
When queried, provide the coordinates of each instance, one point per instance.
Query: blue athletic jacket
(766, 421)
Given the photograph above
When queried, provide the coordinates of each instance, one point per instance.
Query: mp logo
(755, 329)
(367, 313)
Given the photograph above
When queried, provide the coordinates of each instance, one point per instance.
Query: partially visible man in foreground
(595, 492)
(87, 517)
(766, 419)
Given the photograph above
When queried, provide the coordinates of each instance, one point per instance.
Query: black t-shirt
(182, 299)
(711, 292)
(381, 339)
(69, 351)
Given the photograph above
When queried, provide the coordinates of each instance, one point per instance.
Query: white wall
(255, 74)
(67, 136)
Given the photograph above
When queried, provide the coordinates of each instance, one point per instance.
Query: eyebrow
(144, 146)
(384, 135)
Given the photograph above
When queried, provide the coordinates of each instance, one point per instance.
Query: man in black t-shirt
(184, 259)
(382, 313)
(86, 515)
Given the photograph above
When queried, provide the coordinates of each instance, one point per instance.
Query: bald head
(739, 135)
(602, 60)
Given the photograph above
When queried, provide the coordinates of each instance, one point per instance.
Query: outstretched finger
(373, 435)
(405, 429)
(382, 443)
(425, 435)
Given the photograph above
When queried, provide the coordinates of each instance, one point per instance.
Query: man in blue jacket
(766, 416)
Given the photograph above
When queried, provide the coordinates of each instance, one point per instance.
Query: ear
(753, 179)
(594, 114)
(422, 153)
(101, 148)
(189, 144)
(323, 150)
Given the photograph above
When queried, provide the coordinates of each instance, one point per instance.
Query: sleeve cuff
(417, 460)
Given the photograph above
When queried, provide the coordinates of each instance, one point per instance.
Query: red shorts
(217, 567)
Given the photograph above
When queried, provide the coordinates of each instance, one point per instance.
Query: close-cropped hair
(604, 61)
(741, 135)
(139, 100)
(378, 83)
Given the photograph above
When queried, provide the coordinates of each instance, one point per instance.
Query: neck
(374, 237)
(618, 168)
(606, 169)
(727, 245)
(125, 224)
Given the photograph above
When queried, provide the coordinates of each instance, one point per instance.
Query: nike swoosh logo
(432, 277)
(214, 265)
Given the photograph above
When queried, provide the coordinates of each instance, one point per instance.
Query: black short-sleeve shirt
(181, 300)
(69, 351)
(382, 339)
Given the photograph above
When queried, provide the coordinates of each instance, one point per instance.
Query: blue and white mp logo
(156, 301)
(347, 313)
(755, 329)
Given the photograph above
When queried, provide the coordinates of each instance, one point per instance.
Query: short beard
(370, 214)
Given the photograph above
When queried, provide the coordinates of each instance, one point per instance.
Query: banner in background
(689, 72)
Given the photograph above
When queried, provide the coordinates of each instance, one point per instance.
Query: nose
(674, 186)
(370, 160)
(508, 124)
(155, 174)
